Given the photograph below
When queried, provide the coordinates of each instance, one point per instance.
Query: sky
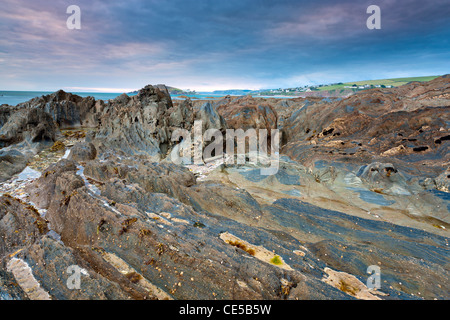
(207, 45)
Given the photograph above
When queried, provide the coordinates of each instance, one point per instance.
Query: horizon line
(128, 90)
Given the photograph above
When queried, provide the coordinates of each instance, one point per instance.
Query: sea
(13, 98)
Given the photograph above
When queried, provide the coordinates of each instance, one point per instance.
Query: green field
(386, 82)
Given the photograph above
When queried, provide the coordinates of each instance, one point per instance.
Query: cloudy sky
(213, 44)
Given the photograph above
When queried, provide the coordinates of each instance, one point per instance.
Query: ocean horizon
(13, 98)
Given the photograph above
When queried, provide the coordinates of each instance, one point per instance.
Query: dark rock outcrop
(179, 183)
(377, 122)
(68, 110)
(340, 238)
(5, 112)
(43, 189)
(126, 227)
(137, 125)
(25, 133)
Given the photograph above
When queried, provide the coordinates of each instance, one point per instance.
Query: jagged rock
(68, 110)
(178, 182)
(5, 112)
(182, 116)
(143, 124)
(52, 264)
(35, 266)
(43, 189)
(30, 126)
(413, 115)
(137, 125)
(20, 225)
(154, 233)
(210, 118)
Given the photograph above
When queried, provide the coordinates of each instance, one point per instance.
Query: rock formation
(68, 110)
(362, 181)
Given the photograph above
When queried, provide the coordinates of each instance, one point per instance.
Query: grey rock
(83, 151)
(15, 217)
(49, 261)
(32, 126)
(409, 256)
(210, 118)
(42, 190)
(68, 110)
(136, 125)
(171, 242)
(11, 163)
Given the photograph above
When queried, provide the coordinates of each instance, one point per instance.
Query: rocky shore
(362, 181)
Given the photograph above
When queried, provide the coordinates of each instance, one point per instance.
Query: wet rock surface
(355, 187)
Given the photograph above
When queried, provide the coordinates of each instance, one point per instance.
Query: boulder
(11, 163)
(83, 151)
(247, 112)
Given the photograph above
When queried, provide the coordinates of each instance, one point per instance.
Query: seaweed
(242, 246)
(126, 224)
(276, 260)
(134, 277)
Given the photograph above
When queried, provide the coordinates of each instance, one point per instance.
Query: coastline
(14, 98)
